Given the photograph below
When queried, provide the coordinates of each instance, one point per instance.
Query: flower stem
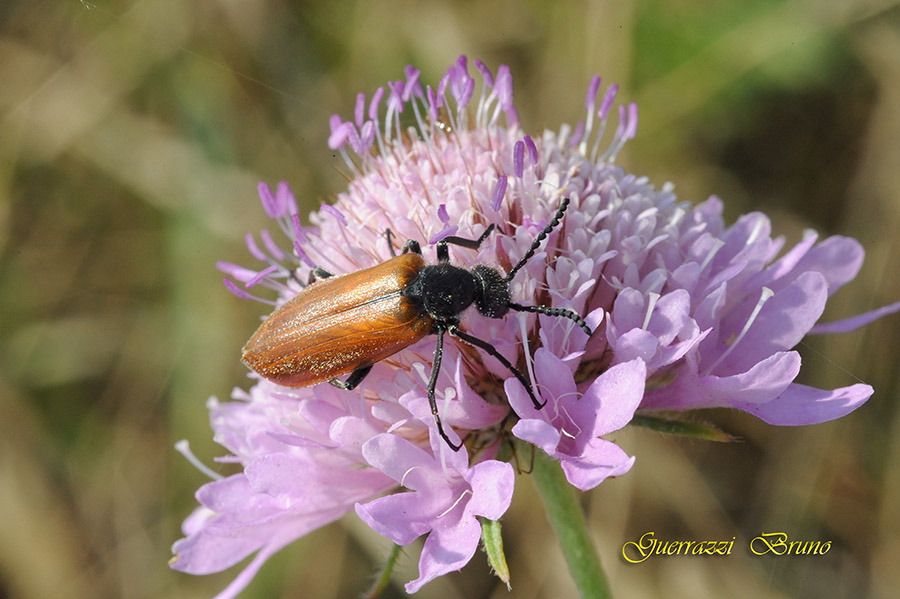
(384, 578)
(567, 519)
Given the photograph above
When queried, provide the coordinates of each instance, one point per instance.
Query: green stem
(567, 519)
(384, 578)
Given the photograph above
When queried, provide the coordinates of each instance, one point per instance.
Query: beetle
(342, 324)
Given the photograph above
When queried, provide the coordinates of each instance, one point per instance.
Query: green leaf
(492, 542)
(684, 428)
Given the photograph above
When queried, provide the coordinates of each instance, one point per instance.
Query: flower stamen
(455, 503)
(184, 448)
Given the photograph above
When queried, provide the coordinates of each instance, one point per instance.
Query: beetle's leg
(387, 233)
(413, 246)
(353, 380)
(487, 347)
(473, 244)
(318, 273)
(432, 402)
(571, 315)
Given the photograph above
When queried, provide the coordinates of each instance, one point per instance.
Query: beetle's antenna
(537, 240)
(571, 315)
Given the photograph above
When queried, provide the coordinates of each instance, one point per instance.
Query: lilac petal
(320, 415)
(668, 355)
(764, 381)
(636, 343)
(784, 265)
(554, 377)
(359, 111)
(398, 459)
(619, 391)
(476, 412)
(374, 103)
(600, 460)
(492, 489)
(783, 321)
(837, 258)
(448, 548)
(401, 517)
(669, 318)
(226, 541)
(520, 401)
(243, 579)
(231, 494)
(855, 322)
(537, 432)
(443, 233)
(800, 404)
(291, 479)
(759, 384)
(628, 311)
(245, 522)
(350, 432)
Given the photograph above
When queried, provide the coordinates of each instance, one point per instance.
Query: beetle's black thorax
(445, 291)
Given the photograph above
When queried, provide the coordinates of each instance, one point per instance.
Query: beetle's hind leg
(411, 245)
(355, 378)
(318, 273)
(490, 349)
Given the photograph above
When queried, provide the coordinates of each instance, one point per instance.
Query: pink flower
(685, 313)
(446, 496)
(570, 426)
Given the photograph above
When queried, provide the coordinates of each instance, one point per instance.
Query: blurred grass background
(132, 135)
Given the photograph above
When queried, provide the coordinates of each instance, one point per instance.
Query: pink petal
(619, 390)
(537, 432)
(800, 404)
(401, 517)
(601, 459)
(492, 485)
(855, 322)
(781, 324)
(447, 549)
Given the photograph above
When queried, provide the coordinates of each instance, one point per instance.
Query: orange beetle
(346, 323)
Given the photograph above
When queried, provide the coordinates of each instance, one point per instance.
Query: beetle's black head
(444, 291)
(493, 297)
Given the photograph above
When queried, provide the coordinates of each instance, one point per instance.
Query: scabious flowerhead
(685, 311)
